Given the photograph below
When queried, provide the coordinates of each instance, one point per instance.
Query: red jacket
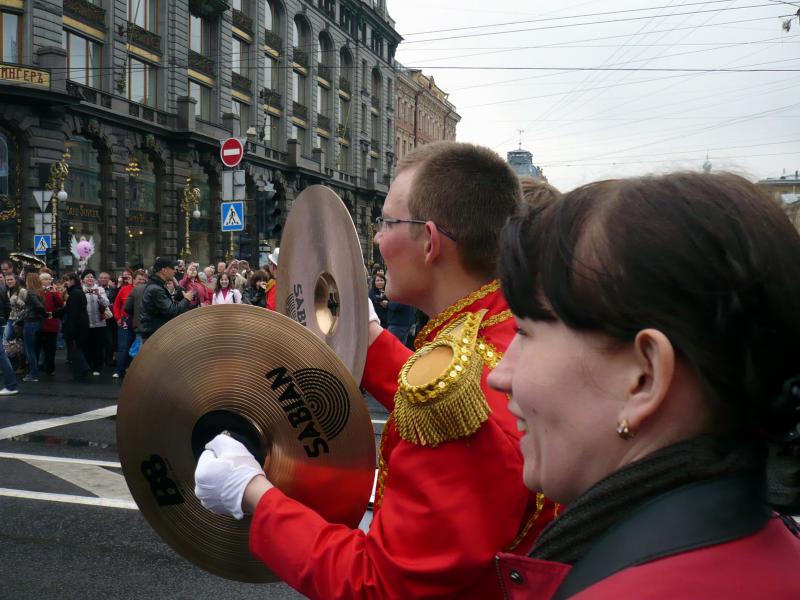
(119, 302)
(52, 302)
(272, 290)
(757, 567)
(438, 519)
(202, 297)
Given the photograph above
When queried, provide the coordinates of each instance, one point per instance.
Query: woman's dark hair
(71, 276)
(218, 287)
(88, 272)
(375, 278)
(257, 276)
(710, 260)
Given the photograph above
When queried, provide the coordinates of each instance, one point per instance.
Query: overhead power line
(604, 22)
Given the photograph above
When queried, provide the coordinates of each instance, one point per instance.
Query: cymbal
(27, 260)
(321, 279)
(273, 385)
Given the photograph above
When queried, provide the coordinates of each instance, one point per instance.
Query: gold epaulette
(439, 396)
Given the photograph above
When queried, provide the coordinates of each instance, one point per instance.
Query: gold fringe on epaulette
(452, 405)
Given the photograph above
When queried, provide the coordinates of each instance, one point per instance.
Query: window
(240, 57)
(142, 82)
(144, 13)
(269, 75)
(363, 118)
(11, 37)
(237, 5)
(270, 17)
(375, 128)
(299, 134)
(84, 60)
(199, 35)
(270, 132)
(298, 88)
(242, 110)
(202, 94)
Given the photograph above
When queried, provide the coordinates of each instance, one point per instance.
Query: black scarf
(587, 518)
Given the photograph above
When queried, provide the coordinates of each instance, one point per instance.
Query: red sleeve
(385, 357)
(119, 303)
(442, 520)
(271, 296)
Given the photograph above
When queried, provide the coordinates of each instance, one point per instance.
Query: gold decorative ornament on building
(58, 175)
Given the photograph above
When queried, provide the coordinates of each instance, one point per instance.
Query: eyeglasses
(383, 223)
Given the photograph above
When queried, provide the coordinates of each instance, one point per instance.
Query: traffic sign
(41, 244)
(231, 152)
(232, 216)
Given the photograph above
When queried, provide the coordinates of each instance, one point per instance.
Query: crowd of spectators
(101, 321)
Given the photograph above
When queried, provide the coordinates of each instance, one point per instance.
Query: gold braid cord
(448, 313)
(380, 484)
(451, 405)
(270, 284)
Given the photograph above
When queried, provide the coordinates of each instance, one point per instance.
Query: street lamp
(191, 197)
(58, 174)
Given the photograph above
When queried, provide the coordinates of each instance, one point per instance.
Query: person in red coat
(449, 492)
(272, 269)
(202, 297)
(655, 375)
(53, 301)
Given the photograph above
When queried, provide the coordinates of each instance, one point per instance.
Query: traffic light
(270, 210)
(52, 259)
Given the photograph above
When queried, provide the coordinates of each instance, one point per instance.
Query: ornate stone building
(424, 114)
(786, 191)
(141, 93)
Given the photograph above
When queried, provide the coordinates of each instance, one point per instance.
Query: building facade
(423, 112)
(522, 163)
(786, 191)
(134, 98)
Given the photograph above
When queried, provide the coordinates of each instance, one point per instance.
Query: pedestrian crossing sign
(41, 244)
(232, 216)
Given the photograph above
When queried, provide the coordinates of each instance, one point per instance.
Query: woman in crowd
(133, 309)
(256, 291)
(16, 298)
(224, 293)
(53, 301)
(96, 306)
(76, 325)
(193, 283)
(378, 297)
(655, 377)
(125, 334)
(32, 316)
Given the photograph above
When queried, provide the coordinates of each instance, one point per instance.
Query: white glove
(373, 316)
(223, 472)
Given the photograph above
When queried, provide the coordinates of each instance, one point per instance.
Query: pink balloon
(84, 249)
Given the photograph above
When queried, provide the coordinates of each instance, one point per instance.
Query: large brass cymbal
(267, 380)
(321, 279)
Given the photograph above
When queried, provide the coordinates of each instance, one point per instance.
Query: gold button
(490, 354)
(453, 373)
(442, 384)
(459, 368)
(482, 346)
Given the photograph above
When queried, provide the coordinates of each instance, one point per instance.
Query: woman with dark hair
(256, 291)
(16, 298)
(32, 316)
(655, 378)
(97, 308)
(224, 293)
(76, 325)
(378, 298)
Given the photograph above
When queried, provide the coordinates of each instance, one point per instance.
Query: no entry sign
(231, 152)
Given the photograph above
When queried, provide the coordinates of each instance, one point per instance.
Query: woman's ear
(652, 377)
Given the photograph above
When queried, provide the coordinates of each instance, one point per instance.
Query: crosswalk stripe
(26, 428)
(50, 497)
(97, 480)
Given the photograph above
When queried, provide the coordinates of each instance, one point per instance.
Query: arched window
(84, 207)
(8, 200)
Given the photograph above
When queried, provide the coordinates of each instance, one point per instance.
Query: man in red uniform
(449, 491)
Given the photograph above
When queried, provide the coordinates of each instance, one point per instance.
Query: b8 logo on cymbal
(164, 490)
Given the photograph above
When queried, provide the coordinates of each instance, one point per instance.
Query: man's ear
(433, 243)
(652, 376)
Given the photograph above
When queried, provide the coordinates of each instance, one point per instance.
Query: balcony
(343, 132)
(201, 63)
(143, 38)
(86, 12)
(376, 102)
(208, 9)
(273, 40)
(241, 83)
(242, 21)
(299, 110)
(271, 98)
(324, 71)
(300, 57)
(344, 85)
(323, 122)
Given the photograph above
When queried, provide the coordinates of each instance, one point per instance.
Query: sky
(616, 88)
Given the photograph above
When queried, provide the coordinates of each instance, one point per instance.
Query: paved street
(68, 526)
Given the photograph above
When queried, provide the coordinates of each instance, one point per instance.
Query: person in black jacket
(76, 325)
(9, 376)
(158, 305)
(378, 298)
